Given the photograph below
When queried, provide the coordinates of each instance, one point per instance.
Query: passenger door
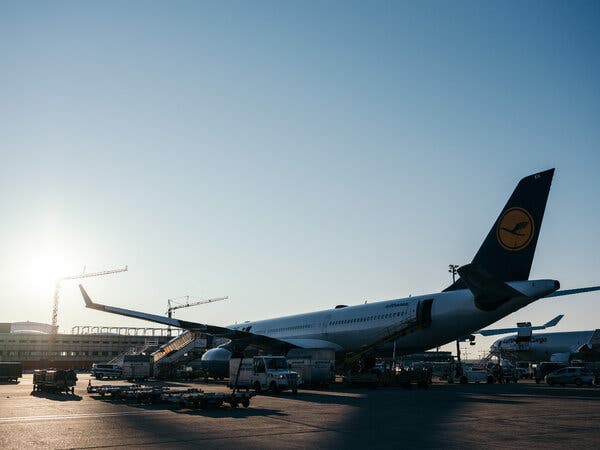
(325, 324)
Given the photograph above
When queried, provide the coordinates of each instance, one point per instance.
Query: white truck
(263, 373)
(470, 374)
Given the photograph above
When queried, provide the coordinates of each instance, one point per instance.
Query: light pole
(453, 269)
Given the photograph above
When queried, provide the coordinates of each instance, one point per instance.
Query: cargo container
(315, 367)
(51, 380)
(11, 371)
(137, 367)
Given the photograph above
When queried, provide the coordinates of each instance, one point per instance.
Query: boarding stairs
(149, 346)
(180, 350)
(483, 362)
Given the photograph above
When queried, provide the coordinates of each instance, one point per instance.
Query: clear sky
(291, 155)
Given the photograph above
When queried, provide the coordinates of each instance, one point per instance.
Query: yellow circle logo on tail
(515, 229)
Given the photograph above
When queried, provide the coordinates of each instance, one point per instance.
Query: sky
(290, 155)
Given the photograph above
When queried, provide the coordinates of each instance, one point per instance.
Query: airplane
(495, 284)
(561, 346)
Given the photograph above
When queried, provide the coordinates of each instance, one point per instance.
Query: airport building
(36, 346)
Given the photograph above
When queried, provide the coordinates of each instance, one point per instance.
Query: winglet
(86, 298)
(88, 301)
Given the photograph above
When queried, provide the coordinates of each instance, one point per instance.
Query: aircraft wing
(241, 339)
(573, 291)
(497, 331)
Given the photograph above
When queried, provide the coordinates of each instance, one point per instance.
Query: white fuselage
(453, 314)
(542, 346)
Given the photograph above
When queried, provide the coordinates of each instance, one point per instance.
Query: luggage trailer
(191, 398)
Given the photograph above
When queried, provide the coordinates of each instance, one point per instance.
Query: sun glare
(46, 268)
(42, 267)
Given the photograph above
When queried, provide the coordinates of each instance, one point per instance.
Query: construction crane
(173, 305)
(75, 277)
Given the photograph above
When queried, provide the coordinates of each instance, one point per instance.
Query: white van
(106, 371)
(471, 374)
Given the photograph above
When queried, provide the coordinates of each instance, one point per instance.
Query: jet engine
(216, 362)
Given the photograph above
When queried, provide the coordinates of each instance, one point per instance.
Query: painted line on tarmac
(75, 416)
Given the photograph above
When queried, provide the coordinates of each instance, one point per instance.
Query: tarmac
(523, 415)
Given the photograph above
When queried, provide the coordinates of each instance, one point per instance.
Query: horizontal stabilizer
(497, 331)
(489, 292)
(573, 291)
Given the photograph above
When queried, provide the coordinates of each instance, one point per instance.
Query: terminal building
(36, 346)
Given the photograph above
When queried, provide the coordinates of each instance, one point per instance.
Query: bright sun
(42, 266)
(46, 268)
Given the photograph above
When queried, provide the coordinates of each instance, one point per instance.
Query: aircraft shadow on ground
(539, 392)
(223, 411)
(56, 396)
(374, 418)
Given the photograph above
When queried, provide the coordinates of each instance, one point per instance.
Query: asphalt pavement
(523, 415)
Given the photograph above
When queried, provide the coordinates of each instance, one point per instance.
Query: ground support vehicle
(370, 378)
(192, 398)
(315, 367)
(570, 375)
(472, 374)
(406, 377)
(524, 370)
(50, 380)
(11, 371)
(262, 373)
(137, 367)
(100, 371)
(502, 373)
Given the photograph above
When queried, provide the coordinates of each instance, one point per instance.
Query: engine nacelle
(216, 362)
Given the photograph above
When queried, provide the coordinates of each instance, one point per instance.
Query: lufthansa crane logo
(515, 229)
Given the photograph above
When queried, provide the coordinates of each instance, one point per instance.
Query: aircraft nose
(556, 285)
